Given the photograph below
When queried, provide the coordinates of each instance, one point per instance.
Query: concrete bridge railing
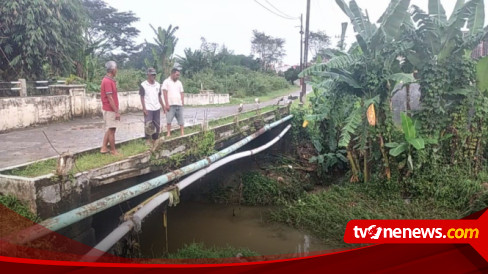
(65, 102)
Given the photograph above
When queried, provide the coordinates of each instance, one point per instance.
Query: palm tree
(163, 55)
(192, 62)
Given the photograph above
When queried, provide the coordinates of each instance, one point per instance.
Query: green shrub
(236, 80)
(199, 251)
(478, 204)
(127, 80)
(259, 190)
(446, 186)
(327, 213)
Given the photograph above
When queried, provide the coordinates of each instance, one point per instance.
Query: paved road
(28, 145)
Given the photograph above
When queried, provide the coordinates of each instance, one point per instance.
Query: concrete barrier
(206, 99)
(22, 112)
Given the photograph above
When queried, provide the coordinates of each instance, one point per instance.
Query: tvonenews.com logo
(469, 231)
(375, 232)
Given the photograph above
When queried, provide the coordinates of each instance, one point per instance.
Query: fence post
(23, 88)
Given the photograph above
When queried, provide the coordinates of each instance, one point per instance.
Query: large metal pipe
(78, 214)
(150, 205)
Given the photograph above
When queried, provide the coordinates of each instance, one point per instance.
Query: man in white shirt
(174, 100)
(150, 92)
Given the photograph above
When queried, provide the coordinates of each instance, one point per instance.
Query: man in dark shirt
(110, 108)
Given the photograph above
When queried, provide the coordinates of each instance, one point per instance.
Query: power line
(284, 17)
(278, 10)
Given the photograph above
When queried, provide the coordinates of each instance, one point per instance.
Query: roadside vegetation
(200, 251)
(82, 39)
(430, 165)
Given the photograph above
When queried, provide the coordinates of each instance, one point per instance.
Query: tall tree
(137, 60)
(317, 42)
(193, 62)
(39, 37)
(269, 49)
(109, 29)
(292, 74)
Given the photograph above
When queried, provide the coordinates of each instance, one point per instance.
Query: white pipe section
(109, 241)
(144, 211)
(147, 209)
(199, 174)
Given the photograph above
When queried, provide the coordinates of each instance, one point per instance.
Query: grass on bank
(443, 194)
(327, 213)
(93, 160)
(34, 170)
(83, 162)
(17, 206)
(200, 251)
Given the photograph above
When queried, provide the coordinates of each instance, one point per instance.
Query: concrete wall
(22, 188)
(206, 99)
(22, 112)
(90, 104)
(399, 101)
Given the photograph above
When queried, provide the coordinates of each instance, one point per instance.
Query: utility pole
(301, 46)
(305, 54)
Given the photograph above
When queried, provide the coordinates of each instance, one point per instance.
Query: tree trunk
(385, 158)
(365, 166)
(354, 167)
(408, 100)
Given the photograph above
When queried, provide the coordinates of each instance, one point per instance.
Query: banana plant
(344, 75)
(439, 37)
(166, 41)
(411, 141)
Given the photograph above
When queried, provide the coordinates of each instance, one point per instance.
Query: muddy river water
(222, 226)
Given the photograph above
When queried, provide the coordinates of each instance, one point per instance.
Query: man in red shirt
(110, 108)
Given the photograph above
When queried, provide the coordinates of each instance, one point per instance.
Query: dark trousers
(153, 116)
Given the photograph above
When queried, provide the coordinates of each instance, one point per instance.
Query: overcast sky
(231, 22)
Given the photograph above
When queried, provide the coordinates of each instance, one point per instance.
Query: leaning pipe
(149, 206)
(78, 214)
